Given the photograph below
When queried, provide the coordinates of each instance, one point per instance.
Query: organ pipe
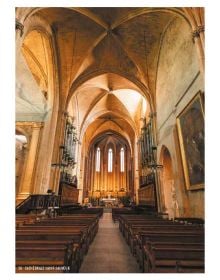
(146, 143)
(68, 150)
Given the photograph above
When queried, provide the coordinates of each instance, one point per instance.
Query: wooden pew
(141, 230)
(69, 245)
(55, 256)
(134, 230)
(190, 220)
(87, 235)
(66, 239)
(22, 219)
(145, 239)
(169, 259)
(90, 224)
(124, 221)
(130, 226)
(76, 211)
(79, 235)
(116, 212)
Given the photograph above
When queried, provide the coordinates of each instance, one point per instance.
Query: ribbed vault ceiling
(90, 39)
(104, 54)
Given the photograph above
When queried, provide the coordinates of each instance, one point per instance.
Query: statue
(175, 206)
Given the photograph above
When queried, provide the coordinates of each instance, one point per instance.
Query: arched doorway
(170, 204)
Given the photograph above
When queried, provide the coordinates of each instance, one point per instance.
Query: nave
(110, 115)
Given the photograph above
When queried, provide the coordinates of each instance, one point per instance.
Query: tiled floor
(109, 252)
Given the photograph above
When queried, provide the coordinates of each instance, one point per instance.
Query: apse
(109, 167)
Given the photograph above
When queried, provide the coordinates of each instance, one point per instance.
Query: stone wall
(178, 81)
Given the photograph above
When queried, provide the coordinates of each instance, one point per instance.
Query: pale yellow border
(183, 154)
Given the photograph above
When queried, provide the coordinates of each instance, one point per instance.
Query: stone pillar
(136, 171)
(43, 168)
(198, 38)
(57, 153)
(80, 167)
(26, 188)
(158, 190)
(196, 18)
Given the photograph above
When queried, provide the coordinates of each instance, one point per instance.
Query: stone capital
(37, 125)
(19, 26)
(30, 124)
(196, 32)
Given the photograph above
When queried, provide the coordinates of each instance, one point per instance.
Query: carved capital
(29, 126)
(37, 125)
(19, 26)
(196, 33)
(153, 115)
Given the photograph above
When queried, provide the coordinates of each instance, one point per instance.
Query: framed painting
(190, 125)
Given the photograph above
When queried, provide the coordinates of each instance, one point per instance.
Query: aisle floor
(109, 252)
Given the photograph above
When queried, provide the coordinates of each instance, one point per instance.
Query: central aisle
(109, 252)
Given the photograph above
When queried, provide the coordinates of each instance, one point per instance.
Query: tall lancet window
(97, 160)
(122, 160)
(110, 160)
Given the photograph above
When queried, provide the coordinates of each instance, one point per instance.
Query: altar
(109, 201)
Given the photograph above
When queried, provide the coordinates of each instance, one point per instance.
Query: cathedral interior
(110, 136)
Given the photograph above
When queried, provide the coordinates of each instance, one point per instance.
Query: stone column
(196, 18)
(136, 171)
(26, 188)
(80, 168)
(57, 153)
(198, 38)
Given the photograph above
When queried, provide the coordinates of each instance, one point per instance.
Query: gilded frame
(190, 126)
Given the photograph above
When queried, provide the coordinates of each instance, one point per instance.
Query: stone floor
(109, 252)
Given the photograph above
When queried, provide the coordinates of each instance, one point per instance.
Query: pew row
(54, 245)
(161, 245)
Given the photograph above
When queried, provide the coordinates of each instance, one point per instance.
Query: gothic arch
(37, 24)
(101, 113)
(168, 193)
(116, 135)
(139, 11)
